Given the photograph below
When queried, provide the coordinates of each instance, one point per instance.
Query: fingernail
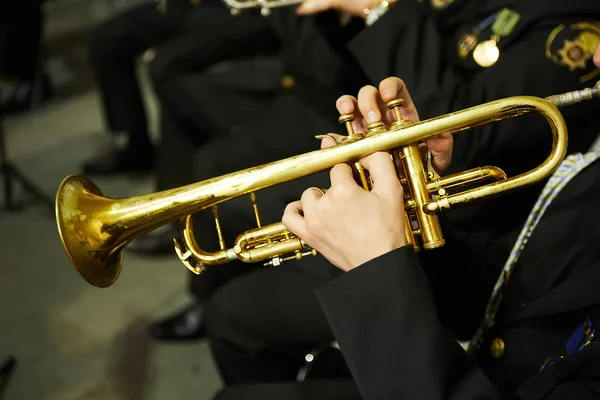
(372, 116)
(346, 108)
(387, 94)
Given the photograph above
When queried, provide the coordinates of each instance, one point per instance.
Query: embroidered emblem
(573, 46)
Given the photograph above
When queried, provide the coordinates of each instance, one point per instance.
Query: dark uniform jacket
(314, 51)
(419, 43)
(384, 316)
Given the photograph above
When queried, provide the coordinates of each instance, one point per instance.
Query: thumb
(330, 140)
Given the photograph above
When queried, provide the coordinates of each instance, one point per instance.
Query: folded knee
(105, 42)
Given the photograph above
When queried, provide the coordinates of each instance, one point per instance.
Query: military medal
(466, 44)
(468, 41)
(487, 53)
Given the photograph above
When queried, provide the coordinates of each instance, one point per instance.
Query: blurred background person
(24, 83)
(267, 110)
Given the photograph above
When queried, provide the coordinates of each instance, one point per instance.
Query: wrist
(366, 258)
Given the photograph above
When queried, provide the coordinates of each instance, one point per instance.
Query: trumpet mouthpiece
(577, 96)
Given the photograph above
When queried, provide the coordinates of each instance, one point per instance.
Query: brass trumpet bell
(78, 204)
(94, 229)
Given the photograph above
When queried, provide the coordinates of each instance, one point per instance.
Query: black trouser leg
(23, 24)
(113, 49)
(261, 326)
(310, 390)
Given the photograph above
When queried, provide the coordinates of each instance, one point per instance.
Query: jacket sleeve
(382, 315)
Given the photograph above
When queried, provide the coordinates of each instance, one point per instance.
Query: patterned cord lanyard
(570, 167)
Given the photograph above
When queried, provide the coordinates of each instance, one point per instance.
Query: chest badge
(573, 46)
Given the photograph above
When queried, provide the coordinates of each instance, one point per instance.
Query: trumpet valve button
(347, 120)
(376, 127)
(396, 105)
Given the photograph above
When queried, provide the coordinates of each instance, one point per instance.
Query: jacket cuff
(393, 266)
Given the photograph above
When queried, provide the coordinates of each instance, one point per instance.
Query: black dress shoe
(155, 243)
(185, 325)
(119, 162)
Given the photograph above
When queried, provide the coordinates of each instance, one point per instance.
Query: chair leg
(10, 174)
(6, 370)
(8, 187)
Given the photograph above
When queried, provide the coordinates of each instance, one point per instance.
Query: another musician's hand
(355, 7)
(371, 107)
(349, 225)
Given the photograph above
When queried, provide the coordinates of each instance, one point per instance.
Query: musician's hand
(370, 107)
(349, 225)
(597, 56)
(355, 7)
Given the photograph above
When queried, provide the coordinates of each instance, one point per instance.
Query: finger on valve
(371, 104)
(394, 88)
(349, 105)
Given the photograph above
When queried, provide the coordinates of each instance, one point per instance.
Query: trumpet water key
(94, 229)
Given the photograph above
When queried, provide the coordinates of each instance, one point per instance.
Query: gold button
(195, 2)
(288, 82)
(497, 348)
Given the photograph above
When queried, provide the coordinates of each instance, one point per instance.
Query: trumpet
(95, 229)
(265, 6)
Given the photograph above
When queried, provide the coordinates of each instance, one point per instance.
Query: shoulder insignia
(573, 45)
